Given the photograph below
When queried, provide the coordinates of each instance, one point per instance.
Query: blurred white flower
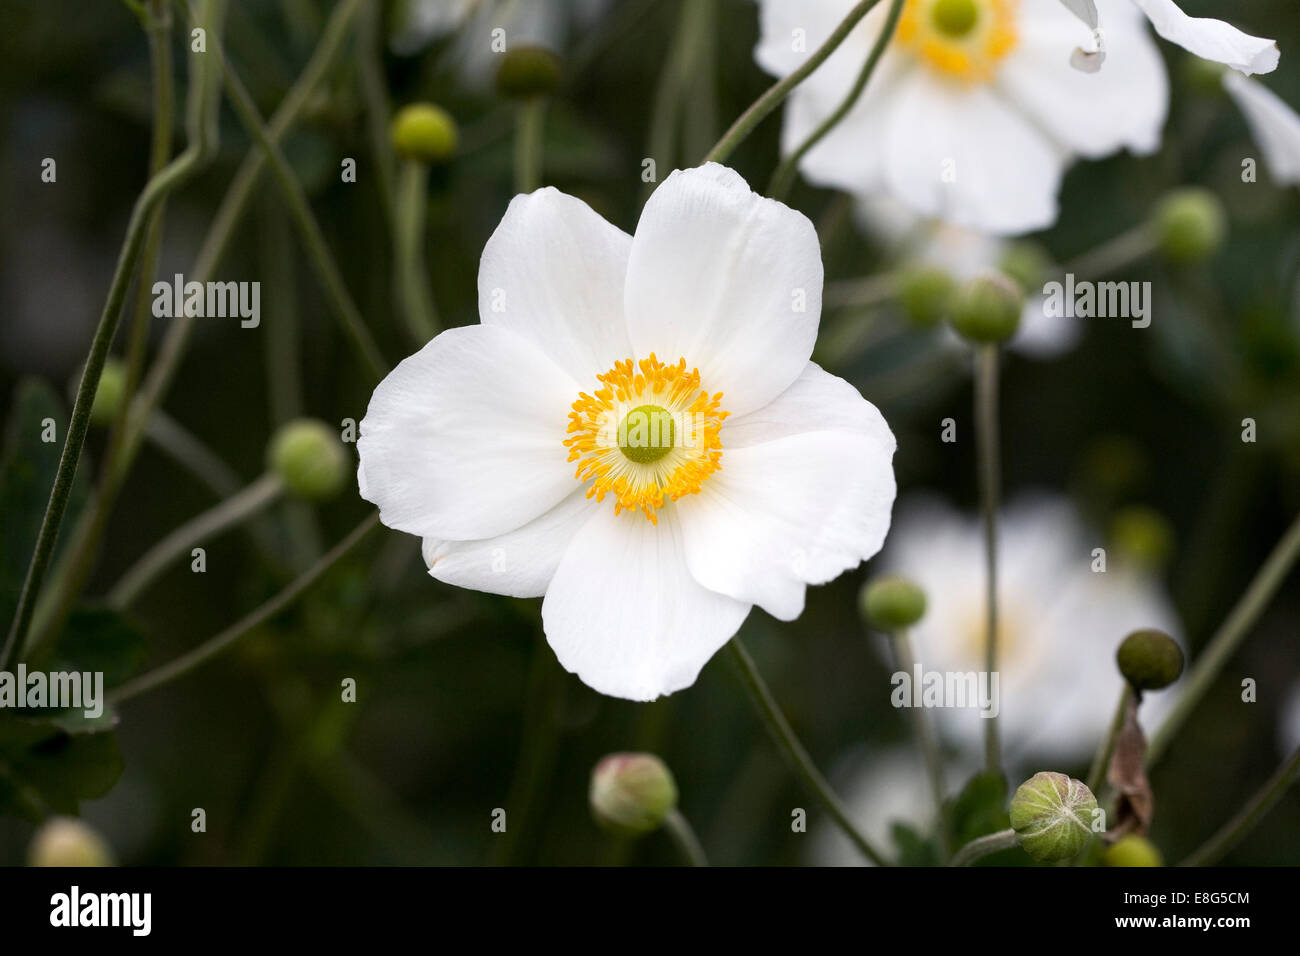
(1274, 124)
(1207, 38)
(880, 789)
(770, 474)
(973, 115)
(1060, 622)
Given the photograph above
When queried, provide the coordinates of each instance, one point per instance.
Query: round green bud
(1143, 534)
(1027, 263)
(1150, 659)
(109, 393)
(425, 133)
(987, 309)
(528, 71)
(1052, 815)
(925, 293)
(66, 841)
(309, 458)
(1132, 850)
(891, 603)
(632, 793)
(1189, 225)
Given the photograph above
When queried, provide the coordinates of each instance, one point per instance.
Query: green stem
(794, 751)
(987, 445)
(215, 645)
(1256, 808)
(926, 738)
(783, 178)
(188, 450)
(201, 127)
(1113, 255)
(778, 91)
(530, 124)
(374, 93)
(1097, 773)
(408, 246)
(684, 838)
(214, 521)
(1228, 638)
(984, 846)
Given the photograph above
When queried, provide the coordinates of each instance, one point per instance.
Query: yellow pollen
(964, 40)
(615, 456)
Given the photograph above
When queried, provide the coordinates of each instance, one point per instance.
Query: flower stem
(794, 751)
(215, 645)
(214, 521)
(987, 444)
(1256, 808)
(984, 846)
(772, 98)
(1097, 773)
(684, 838)
(1228, 638)
(530, 123)
(783, 178)
(926, 739)
(1113, 255)
(408, 246)
(201, 128)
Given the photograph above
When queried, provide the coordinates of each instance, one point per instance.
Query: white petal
(553, 272)
(1275, 126)
(1211, 39)
(970, 158)
(793, 31)
(1122, 106)
(518, 563)
(625, 615)
(464, 439)
(728, 280)
(804, 494)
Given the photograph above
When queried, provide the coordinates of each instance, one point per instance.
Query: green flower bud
(1150, 659)
(1143, 534)
(1132, 850)
(66, 841)
(987, 309)
(1027, 263)
(309, 458)
(1189, 225)
(892, 603)
(528, 71)
(925, 294)
(1052, 816)
(109, 393)
(425, 133)
(632, 793)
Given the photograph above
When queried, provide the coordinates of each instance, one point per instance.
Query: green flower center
(646, 434)
(955, 18)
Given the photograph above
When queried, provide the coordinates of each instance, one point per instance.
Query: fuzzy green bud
(67, 841)
(1189, 225)
(425, 133)
(1052, 815)
(632, 793)
(1143, 534)
(309, 458)
(1132, 850)
(892, 603)
(987, 309)
(1150, 659)
(528, 71)
(1027, 263)
(925, 293)
(109, 393)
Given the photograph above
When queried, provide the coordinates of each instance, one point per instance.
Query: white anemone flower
(973, 115)
(1274, 124)
(1060, 622)
(716, 466)
(1207, 38)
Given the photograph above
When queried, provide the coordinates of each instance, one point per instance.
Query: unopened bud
(892, 603)
(987, 309)
(1052, 816)
(1132, 850)
(66, 841)
(309, 458)
(632, 792)
(1150, 659)
(1189, 225)
(425, 133)
(925, 294)
(528, 71)
(109, 393)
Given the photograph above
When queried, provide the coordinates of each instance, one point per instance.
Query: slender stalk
(984, 846)
(408, 247)
(987, 444)
(1097, 773)
(1256, 808)
(1113, 255)
(783, 178)
(210, 523)
(794, 751)
(530, 123)
(778, 91)
(926, 739)
(218, 643)
(665, 111)
(1228, 638)
(684, 838)
(188, 450)
(201, 125)
(374, 93)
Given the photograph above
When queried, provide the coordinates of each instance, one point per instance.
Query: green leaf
(99, 639)
(980, 808)
(44, 769)
(914, 849)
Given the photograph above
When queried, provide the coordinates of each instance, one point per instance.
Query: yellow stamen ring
(962, 39)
